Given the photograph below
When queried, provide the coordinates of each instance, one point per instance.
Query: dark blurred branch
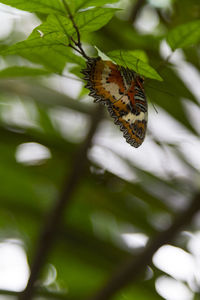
(129, 272)
(49, 231)
(135, 10)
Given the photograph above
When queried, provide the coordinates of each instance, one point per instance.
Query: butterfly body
(121, 90)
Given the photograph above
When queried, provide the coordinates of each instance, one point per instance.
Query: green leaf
(93, 19)
(45, 122)
(42, 6)
(184, 35)
(76, 70)
(17, 71)
(130, 60)
(61, 28)
(86, 3)
(101, 54)
(47, 45)
(140, 54)
(45, 50)
(53, 6)
(57, 28)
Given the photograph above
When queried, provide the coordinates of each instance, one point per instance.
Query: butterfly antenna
(77, 43)
(153, 105)
(164, 62)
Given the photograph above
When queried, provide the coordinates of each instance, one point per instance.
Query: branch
(78, 44)
(129, 272)
(49, 231)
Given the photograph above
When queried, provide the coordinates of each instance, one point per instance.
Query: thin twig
(78, 43)
(48, 233)
(130, 271)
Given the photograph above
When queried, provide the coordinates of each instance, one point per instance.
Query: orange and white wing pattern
(121, 90)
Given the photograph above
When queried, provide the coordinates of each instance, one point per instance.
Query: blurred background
(126, 195)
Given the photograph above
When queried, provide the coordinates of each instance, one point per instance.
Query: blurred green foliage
(89, 246)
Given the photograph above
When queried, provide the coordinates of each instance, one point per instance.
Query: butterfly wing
(119, 89)
(133, 123)
(103, 80)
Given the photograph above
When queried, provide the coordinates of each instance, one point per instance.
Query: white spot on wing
(112, 87)
(131, 118)
(124, 99)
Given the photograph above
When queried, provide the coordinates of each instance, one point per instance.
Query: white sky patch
(171, 289)
(6, 25)
(191, 77)
(32, 153)
(194, 247)
(166, 128)
(135, 240)
(148, 156)
(187, 72)
(194, 244)
(175, 262)
(191, 152)
(147, 20)
(15, 112)
(22, 21)
(192, 110)
(160, 3)
(14, 270)
(69, 86)
(71, 124)
(108, 161)
(11, 11)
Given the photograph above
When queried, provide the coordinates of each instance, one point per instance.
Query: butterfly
(122, 91)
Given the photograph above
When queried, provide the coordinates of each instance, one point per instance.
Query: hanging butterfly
(121, 90)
